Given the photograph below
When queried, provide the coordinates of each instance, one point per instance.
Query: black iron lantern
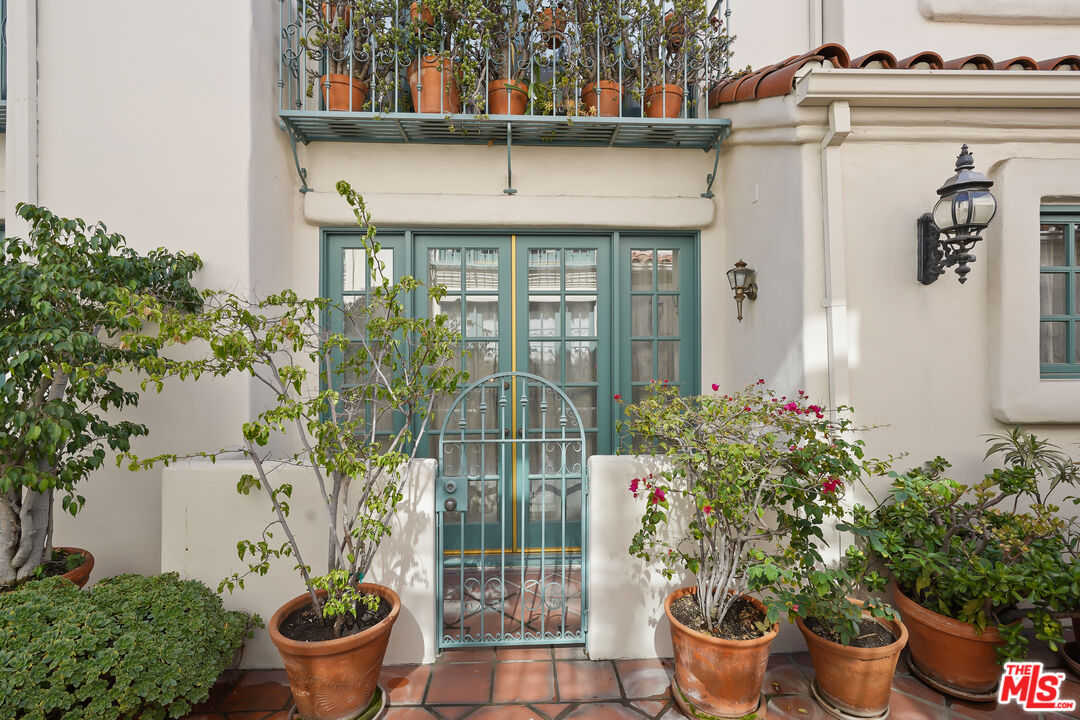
(964, 209)
(743, 281)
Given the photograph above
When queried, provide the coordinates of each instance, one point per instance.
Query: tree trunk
(33, 533)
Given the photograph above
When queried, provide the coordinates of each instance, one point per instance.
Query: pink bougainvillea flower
(634, 485)
(761, 381)
(831, 484)
(792, 448)
(791, 406)
(658, 496)
(707, 509)
(746, 409)
(617, 396)
(795, 607)
(715, 387)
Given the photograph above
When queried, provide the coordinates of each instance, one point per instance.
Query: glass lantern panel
(943, 217)
(984, 206)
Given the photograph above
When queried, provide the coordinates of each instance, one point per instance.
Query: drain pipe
(21, 165)
(835, 302)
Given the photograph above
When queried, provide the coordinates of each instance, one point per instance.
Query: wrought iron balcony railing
(593, 72)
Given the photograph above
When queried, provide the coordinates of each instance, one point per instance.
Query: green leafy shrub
(133, 646)
(990, 553)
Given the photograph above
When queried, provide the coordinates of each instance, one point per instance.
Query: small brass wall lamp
(743, 281)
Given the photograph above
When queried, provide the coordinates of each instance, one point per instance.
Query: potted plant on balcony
(966, 558)
(601, 37)
(339, 40)
(61, 363)
(517, 33)
(745, 481)
(445, 41)
(854, 644)
(672, 47)
(358, 410)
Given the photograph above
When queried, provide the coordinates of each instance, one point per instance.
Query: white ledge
(940, 88)
(1028, 12)
(548, 211)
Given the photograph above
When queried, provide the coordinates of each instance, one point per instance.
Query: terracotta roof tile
(1017, 63)
(970, 62)
(779, 79)
(926, 60)
(879, 59)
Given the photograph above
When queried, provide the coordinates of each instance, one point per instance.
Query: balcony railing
(583, 72)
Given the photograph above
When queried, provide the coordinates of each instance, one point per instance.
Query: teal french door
(531, 303)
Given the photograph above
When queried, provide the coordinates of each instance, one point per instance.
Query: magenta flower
(715, 387)
(617, 396)
(658, 496)
(831, 485)
(791, 406)
(707, 509)
(634, 485)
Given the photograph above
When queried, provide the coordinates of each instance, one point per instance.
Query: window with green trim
(1059, 291)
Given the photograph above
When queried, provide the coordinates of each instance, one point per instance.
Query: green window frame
(664, 333)
(1059, 291)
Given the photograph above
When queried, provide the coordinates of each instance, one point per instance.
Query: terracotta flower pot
(506, 97)
(675, 32)
(552, 25)
(857, 681)
(609, 103)
(330, 12)
(714, 677)
(334, 679)
(341, 91)
(663, 101)
(949, 654)
(426, 18)
(81, 574)
(434, 88)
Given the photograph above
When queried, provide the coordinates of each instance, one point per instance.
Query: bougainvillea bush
(131, 647)
(988, 553)
(751, 480)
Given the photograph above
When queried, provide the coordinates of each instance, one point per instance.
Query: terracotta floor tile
(651, 708)
(409, 713)
(267, 695)
(460, 684)
(979, 711)
(801, 659)
(552, 710)
(603, 711)
(506, 712)
(514, 654)
(902, 665)
(279, 715)
(785, 680)
(466, 655)
(797, 707)
(405, 683)
(914, 687)
(256, 715)
(524, 682)
(569, 652)
(643, 678)
(586, 681)
(205, 716)
(780, 659)
(908, 708)
(255, 677)
(454, 712)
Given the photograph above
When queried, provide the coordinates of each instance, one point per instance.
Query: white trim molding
(1017, 393)
(1011, 12)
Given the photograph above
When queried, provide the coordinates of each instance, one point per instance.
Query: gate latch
(451, 494)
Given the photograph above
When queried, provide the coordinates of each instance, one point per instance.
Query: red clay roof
(779, 79)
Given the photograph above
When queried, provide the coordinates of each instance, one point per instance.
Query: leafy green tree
(356, 409)
(61, 357)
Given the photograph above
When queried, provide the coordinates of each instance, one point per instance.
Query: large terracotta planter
(335, 679)
(506, 97)
(948, 654)
(338, 91)
(607, 102)
(80, 575)
(856, 681)
(717, 678)
(434, 87)
(663, 101)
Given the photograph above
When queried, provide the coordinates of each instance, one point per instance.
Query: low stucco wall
(203, 517)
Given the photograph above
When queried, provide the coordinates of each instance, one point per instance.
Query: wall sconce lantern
(946, 236)
(743, 281)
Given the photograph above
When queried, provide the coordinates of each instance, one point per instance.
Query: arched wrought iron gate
(512, 515)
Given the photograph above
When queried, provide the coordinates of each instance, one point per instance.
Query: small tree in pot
(61, 358)
(358, 431)
(517, 41)
(750, 479)
(596, 60)
(446, 42)
(965, 557)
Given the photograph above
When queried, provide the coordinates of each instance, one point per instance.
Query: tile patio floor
(560, 684)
